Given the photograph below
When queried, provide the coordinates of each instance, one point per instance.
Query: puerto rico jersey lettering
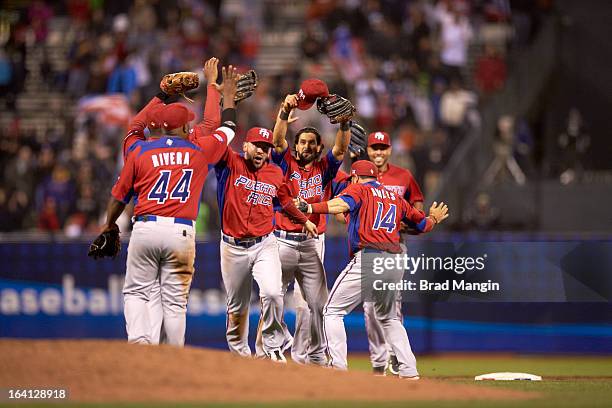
(246, 197)
(375, 216)
(309, 184)
(166, 175)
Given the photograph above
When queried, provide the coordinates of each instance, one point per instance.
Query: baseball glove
(246, 85)
(179, 83)
(359, 140)
(336, 108)
(107, 243)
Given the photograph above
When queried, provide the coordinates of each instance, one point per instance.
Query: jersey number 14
(180, 192)
(386, 220)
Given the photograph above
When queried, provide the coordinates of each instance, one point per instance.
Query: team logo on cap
(295, 176)
(264, 133)
(379, 136)
(301, 95)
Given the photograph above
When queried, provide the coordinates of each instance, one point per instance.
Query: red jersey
(166, 175)
(246, 196)
(375, 215)
(402, 182)
(310, 184)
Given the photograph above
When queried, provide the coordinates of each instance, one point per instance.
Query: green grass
(571, 382)
(470, 366)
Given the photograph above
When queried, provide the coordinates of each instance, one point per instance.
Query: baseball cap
(364, 168)
(310, 90)
(379, 138)
(153, 121)
(174, 116)
(259, 134)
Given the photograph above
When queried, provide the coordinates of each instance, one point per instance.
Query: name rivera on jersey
(170, 158)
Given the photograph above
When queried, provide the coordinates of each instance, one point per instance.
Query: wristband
(228, 115)
(319, 208)
(344, 126)
(162, 96)
(284, 115)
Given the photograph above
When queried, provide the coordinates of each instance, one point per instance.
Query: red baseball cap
(310, 90)
(259, 134)
(153, 121)
(364, 168)
(174, 116)
(379, 138)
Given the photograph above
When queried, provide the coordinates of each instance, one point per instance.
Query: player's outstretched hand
(229, 88)
(311, 229)
(211, 72)
(438, 212)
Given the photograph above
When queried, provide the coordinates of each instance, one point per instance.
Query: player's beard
(307, 156)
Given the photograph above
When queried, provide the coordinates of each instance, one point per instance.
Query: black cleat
(393, 365)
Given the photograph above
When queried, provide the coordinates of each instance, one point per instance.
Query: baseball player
(211, 121)
(166, 176)
(374, 224)
(146, 118)
(302, 257)
(402, 182)
(301, 337)
(248, 187)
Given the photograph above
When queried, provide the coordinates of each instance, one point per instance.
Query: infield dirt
(104, 371)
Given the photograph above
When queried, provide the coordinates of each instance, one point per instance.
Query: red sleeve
(423, 223)
(214, 145)
(413, 192)
(212, 111)
(352, 195)
(137, 125)
(285, 199)
(123, 190)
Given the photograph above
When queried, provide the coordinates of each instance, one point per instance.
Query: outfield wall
(52, 290)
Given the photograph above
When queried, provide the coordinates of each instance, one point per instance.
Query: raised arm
(282, 121)
(343, 138)
(212, 114)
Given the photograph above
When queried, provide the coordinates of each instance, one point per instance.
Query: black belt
(293, 236)
(243, 242)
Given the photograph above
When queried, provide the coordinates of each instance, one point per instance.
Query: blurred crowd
(411, 68)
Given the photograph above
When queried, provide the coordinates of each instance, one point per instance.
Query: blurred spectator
(57, 195)
(368, 90)
(482, 216)
(491, 70)
(123, 78)
(455, 35)
(39, 14)
(454, 105)
(574, 143)
(312, 47)
(48, 219)
(505, 147)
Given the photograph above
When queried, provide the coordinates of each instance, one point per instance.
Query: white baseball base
(508, 377)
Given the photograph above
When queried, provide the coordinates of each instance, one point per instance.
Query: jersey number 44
(180, 191)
